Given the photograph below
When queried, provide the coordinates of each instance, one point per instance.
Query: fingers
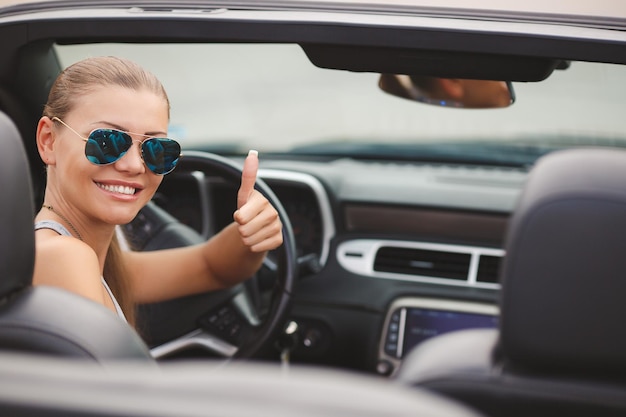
(248, 177)
(260, 227)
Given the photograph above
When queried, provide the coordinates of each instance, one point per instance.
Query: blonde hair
(82, 78)
(86, 75)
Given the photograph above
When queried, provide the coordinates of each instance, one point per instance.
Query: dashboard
(206, 205)
(382, 267)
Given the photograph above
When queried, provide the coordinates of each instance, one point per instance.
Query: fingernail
(253, 152)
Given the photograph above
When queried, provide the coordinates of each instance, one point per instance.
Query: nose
(132, 161)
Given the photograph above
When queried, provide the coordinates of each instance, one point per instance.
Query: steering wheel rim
(198, 161)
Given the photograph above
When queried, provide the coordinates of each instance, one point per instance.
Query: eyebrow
(123, 129)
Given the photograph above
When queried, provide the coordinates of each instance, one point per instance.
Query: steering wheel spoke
(198, 338)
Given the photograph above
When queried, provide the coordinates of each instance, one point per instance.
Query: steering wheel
(233, 323)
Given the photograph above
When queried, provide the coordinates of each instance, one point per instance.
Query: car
(397, 140)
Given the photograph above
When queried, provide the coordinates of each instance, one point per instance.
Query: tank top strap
(118, 308)
(52, 225)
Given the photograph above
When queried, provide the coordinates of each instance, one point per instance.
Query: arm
(228, 258)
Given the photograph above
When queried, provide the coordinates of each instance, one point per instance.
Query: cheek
(152, 186)
(72, 162)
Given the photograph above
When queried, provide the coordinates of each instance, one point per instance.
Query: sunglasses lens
(106, 146)
(160, 154)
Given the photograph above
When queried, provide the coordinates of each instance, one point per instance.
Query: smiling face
(111, 193)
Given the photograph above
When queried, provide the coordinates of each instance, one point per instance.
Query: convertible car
(451, 181)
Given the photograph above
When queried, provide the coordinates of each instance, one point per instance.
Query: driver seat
(46, 320)
(561, 345)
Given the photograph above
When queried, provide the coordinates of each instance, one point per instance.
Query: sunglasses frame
(141, 142)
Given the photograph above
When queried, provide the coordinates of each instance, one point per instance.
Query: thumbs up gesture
(259, 226)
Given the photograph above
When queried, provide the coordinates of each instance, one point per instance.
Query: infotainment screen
(410, 321)
(424, 323)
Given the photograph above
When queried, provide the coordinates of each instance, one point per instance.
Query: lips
(118, 189)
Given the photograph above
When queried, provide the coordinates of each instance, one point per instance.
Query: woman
(96, 109)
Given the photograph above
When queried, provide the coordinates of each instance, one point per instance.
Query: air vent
(489, 269)
(434, 263)
(430, 263)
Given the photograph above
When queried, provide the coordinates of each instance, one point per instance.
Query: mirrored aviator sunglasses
(106, 146)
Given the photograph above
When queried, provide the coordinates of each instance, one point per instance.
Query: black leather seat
(561, 345)
(45, 319)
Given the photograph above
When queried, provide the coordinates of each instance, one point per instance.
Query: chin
(118, 217)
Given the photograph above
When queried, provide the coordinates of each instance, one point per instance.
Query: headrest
(17, 238)
(564, 276)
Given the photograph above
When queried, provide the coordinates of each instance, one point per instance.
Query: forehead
(125, 107)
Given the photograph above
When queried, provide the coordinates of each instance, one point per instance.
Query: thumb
(248, 177)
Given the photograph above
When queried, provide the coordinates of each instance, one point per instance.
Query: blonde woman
(103, 138)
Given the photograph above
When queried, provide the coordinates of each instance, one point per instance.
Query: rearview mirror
(449, 92)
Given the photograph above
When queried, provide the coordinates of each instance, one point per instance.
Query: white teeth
(120, 189)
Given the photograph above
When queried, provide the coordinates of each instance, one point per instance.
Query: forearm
(228, 259)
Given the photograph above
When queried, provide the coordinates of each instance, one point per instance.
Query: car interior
(55, 361)
(441, 256)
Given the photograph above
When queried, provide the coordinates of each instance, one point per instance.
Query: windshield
(229, 98)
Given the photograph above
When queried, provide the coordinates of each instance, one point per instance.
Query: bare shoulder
(68, 263)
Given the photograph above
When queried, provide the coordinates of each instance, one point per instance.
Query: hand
(260, 227)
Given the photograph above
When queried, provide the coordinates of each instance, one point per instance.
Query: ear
(45, 140)
(453, 87)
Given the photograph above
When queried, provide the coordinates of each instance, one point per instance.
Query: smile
(119, 189)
